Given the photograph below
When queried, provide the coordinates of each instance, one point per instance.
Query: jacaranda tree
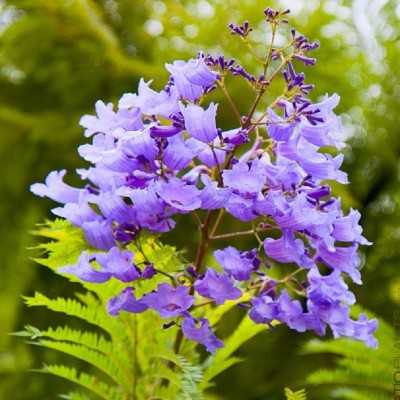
(160, 160)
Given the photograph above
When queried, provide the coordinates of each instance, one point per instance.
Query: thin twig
(230, 100)
(217, 222)
(240, 233)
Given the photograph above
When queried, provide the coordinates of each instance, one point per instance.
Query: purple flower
(278, 128)
(178, 154)
(212, 197)
(84, 270)
(200, 123)
(288, 249)
(139, 145)
(179, 195)
(326, 132)
(103, 178)
(363, 329)
(264, 310)
(94, 152)
(199, 331)
(236, 264)
(291, 313)
(99, 234)
(114, 208)
(109, 122)
(150, 102)
(169, 301)
(344, 259)
(150, 210)
(125, 301)
(54, 188)
(119, 264)
(191, 78)
(244, 178)
(218, 287)
(242, 206)
(285, 174)
(347, 229)
(205, 153)
(330, 287)
(319, 165)
(78, 214)
(284, 309)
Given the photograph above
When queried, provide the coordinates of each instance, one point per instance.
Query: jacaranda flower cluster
(161, 154)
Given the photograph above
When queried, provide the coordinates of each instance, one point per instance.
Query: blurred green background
(57, 57)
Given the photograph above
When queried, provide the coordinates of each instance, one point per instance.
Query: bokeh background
(57, 57)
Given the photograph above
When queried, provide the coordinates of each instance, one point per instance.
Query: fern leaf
(93, 315)
(357, 370)
(89, 339)
(74, 396)
(96, 359)
(299, 395)
(90, 382)
(191, 377)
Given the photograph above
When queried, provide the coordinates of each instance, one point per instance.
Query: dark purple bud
(125, 233)
(149, 271)
(240, 30)
(164, 131)
(240, 138)
(320, 192)
(305, 60)
(327, 204)
(191, 271)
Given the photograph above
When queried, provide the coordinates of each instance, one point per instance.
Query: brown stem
(240, 233)
(229, 98)
(271, 47)
(203, 244)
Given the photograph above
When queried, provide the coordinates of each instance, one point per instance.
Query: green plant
(358, 373)
(122, 365)
(299, 395)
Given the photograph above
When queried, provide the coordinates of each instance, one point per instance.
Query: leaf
(357, 369)
(74, 396)
(93, 357)
(90, 382)
(299, 395)
(130, 362)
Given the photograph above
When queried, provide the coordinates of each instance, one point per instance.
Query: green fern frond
(359, 372)
(299, 395)
(89, 339)
(89, 382)
(95, 315)
(74, 396)
(360, 394)
(192, 375)
(92, 357)
(124, 366)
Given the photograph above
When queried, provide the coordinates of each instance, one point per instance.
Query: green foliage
(124, 360)
(358, 373)
(299, 395)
